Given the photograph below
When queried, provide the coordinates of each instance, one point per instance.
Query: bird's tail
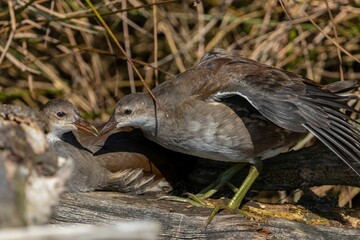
(327, 115)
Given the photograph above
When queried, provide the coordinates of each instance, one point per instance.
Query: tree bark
(178, 221)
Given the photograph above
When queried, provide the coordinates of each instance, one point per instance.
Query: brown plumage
(199, 120)
(90, 172)
(124, 148)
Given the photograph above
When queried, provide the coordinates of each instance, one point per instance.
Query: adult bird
(90, 172)
(233, 109)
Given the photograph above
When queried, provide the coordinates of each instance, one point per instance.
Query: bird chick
(63, 118)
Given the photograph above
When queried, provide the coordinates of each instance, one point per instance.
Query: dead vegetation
(61, 49)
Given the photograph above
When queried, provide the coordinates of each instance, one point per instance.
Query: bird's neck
(159, 126)
(55, 134)
(52, 137)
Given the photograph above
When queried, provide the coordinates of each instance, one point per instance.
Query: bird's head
(62, 116)
(134, 110)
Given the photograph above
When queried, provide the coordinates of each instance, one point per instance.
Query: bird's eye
(127, 111)
(60, 114)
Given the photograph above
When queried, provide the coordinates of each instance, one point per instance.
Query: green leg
(244, 188)
(197, 199)
(235, 202)
(221, 181)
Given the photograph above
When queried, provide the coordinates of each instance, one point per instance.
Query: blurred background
(60, 49)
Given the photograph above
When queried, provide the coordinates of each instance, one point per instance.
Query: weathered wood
(178, 221)
(119, 230)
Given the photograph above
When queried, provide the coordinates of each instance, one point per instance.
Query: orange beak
(81, 123)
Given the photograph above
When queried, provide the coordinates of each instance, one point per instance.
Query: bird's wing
(268, 138)
(215, 129)
(296, 104)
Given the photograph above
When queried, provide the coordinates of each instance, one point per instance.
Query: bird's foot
(202, 199)
(217, 205)
(229, 208)
(220, 208)
(235, 202)
(197, 200)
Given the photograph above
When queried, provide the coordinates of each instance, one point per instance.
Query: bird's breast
(195, 138)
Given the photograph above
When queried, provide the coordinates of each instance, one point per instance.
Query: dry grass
(60, 49)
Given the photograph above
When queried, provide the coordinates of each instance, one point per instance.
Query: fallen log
(178, 221)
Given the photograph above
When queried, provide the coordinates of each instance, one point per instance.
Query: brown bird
(229, 108)
(90, 173)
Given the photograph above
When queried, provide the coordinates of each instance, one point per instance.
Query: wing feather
(298, 104)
